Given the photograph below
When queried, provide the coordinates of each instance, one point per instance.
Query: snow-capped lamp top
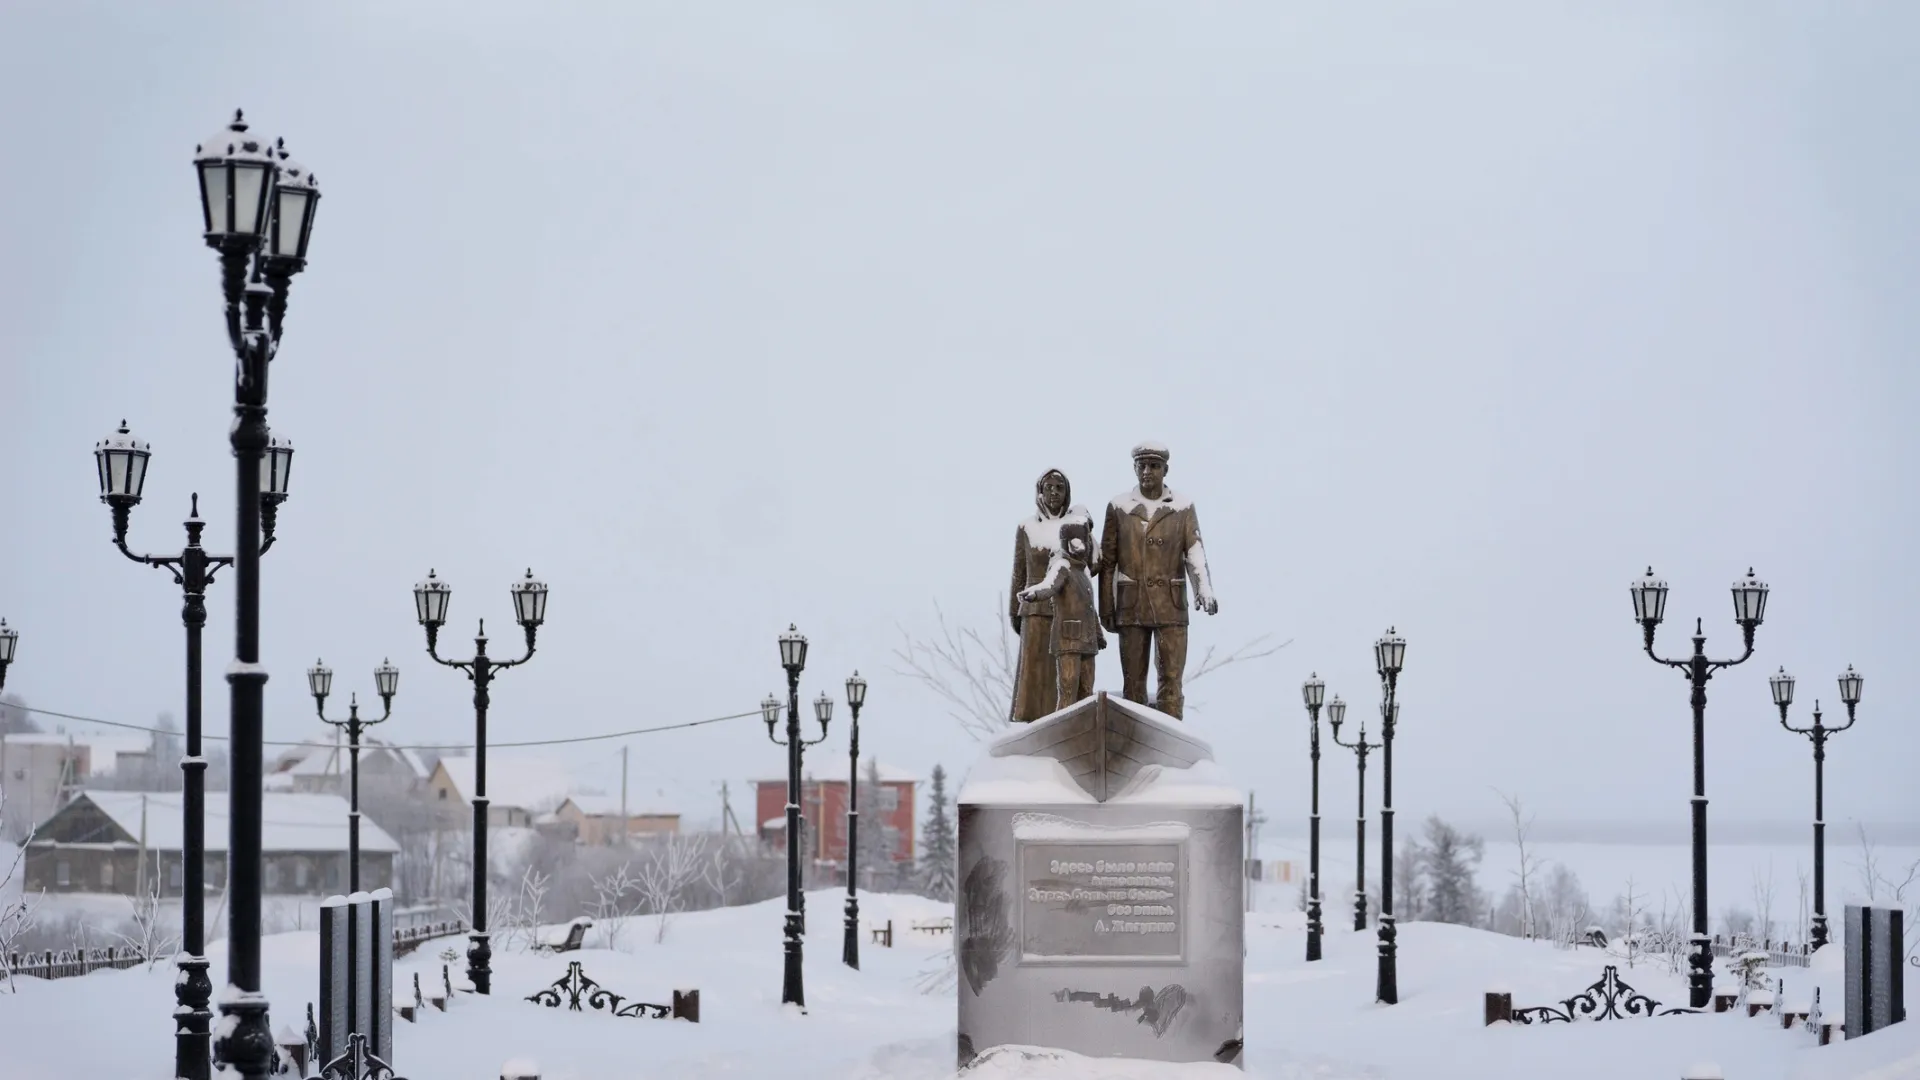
(1749, 599)
(1313, 691)
(530, 600)
(1336, 711)
(856, 691)
(430, 599)
(236, 170)
(296, 191)
(1649, 598)
(793, 650)
(1782, 687)
(122, 463)
(9, 640)
(1850, 682)
(1151, 449)
(386, 680)
(320, 680)
(276, 465)
(1389, 653)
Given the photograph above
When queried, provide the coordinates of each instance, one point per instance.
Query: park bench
(576, 934)
(883, 935)
(935, 926)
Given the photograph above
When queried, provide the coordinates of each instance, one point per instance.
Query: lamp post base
(1313, 929)
(479, 961)
(1387, 986)
(192, 992)
(792, 990)
(850, 954)
(245, 1047)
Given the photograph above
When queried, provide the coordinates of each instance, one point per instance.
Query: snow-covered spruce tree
(878, 846)
(939, 860)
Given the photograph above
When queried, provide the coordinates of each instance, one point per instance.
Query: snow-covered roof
(289, 822)
(645, 803)
(889, 774)
(531, 783)
(104, 748)
(322, 759)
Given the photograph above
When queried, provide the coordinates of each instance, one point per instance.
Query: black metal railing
(66, 963)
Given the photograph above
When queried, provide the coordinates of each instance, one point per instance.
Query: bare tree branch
(973, 677)
(1250, 651)
(16, 916)
(974, 672)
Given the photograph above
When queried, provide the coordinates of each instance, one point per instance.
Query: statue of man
(1149, 550)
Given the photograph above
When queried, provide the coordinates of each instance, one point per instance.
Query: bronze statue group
(1135, 584)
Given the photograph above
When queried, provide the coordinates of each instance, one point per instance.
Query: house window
(889, 799)
(106, 875)
(273, 875)
(62, 874)
(176, 874)
(443, 794)
(300, 874)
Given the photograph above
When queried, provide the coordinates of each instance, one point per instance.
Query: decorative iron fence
(408, 938)
(65, 963)
(1779, 953)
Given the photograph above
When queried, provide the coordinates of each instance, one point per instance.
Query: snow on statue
(1035, 543)
(1076, 625)
(1149, 550)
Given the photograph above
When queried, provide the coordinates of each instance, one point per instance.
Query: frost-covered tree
(878, 842)
(973, 672)
(939, 855)
(1451, 864)
(15, 719)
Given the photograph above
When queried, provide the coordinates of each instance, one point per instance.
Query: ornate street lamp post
(1782, 686)
(1313, 691)
(793, 657)
(1336, 712)
(121, 461)
(386, 679)
(257, 210)
(9, 640)
(1649, 607)
(856, 697)
(1388, 654)
(530, 610)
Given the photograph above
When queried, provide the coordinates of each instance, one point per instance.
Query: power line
(394, 746)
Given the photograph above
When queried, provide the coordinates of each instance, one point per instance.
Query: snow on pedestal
(520, 1069)
(1100, 908)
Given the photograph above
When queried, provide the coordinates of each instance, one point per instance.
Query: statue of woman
(1035, 685)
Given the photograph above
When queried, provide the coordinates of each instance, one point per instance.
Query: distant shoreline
(1840, 833)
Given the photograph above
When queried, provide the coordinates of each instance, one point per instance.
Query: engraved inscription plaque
(1102, 901)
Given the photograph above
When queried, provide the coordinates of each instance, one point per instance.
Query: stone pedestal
(1100, 890)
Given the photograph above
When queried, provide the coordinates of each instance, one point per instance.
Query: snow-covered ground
(1658, 871)
(1303, 1020)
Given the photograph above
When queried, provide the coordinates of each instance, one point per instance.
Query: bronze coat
(1146, 559)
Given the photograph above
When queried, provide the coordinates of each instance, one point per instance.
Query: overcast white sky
(722, 316)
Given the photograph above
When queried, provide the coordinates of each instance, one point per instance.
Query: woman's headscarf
(1040, 496)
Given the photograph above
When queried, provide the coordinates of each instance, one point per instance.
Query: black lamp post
(1782, 686)
(257, 210)
(793, 657)
(386, 679)
(856, 697)
(1313, 691)
(530, 610)
(1388, 654)
(1649, 607)
(121, 461)
(1336, 712)
(9, 640)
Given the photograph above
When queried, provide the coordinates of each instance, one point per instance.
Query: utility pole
(140, 867)
(625, 821)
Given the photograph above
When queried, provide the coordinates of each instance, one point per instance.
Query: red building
(823, 804)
